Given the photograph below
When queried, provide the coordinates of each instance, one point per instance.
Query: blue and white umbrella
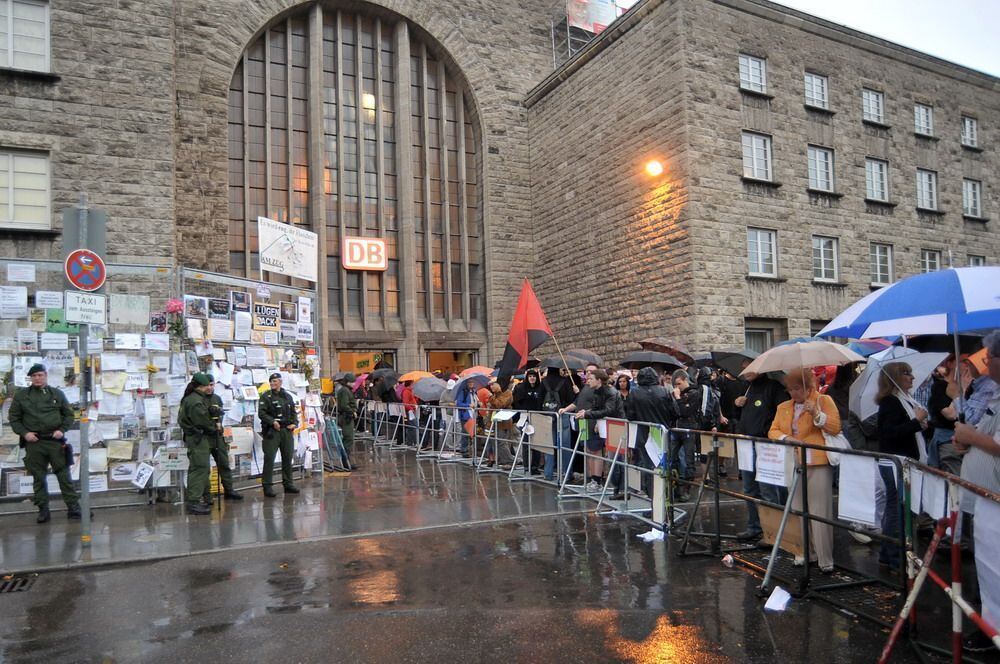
(944, 302)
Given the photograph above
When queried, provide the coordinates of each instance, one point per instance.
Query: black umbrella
(649, 358)
(944, 343)
(588, 356)
(429, 389)
(731, 361)
(702, 359)
(555, 362)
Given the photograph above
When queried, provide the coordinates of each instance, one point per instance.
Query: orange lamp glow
(654, 168)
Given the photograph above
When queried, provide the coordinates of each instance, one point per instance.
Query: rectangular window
(926, 189)
(758, 339)
(923, 119)
(24, 190)
(825, 258)
(753, 73)
(24, 34)
(877, 179)
(976, 261)
(972, 196)
(873, 106)
(756, 156)
(930, 260)
(761, 255)
(820, 168)
(881, 258)
(970, 132)
(816, 90)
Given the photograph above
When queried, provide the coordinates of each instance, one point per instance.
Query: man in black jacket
(649, 402)
(758, 407)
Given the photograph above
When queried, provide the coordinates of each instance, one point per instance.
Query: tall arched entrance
(352, 123)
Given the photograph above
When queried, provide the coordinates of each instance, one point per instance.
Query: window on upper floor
(972, 197)
(927, 197)
(976, 261)
(826, 258)
(816, 91)
(753, 73)
(923, 119)
(820, 168)
(24, 190)
(881, 263)
(24, 35)
(873, 106)
(756, 156)
(970, 132)
(762, 252)
(877, 180)
(930, 260)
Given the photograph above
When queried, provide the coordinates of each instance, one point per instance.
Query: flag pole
(561, 356)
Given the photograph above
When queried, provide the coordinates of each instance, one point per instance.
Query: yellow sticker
(757, 403)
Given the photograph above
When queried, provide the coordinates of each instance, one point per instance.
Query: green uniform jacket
(277, 406)
(194, 418)
(41, 410)
(347, 404)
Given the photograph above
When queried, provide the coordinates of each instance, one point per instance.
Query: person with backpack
(558, 390)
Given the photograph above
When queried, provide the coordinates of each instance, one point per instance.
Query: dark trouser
(751, 488)
(272, 443)
(199, 452)
(219, 451)
(681, 454)
(347, 435)
(889, 551)
(38, 456)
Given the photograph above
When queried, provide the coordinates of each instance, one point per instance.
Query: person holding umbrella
(805, 418)
(347, 406)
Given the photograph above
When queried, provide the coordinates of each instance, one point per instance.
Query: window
(923, 120)
(825, 258)
(816, 90)
(976, 261)
(926, 189)
(873, 106)
(24, 34)
(877, 179)
(758, 340)
(753, 73)
(970, 132)
(972, 196)
(24, 190)
(881, 258)
(820, 168)
(761, 252)
(930, 260)
(756, 156)
(761, 334)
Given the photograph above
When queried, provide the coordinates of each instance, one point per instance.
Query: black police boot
(232, 495)
(292, 489)
(74, 512)
(269, 492)
(198, 508)
(43, 514)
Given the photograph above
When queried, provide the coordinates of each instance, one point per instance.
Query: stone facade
(649, 91)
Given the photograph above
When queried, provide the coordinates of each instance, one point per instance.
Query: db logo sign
(364, 253)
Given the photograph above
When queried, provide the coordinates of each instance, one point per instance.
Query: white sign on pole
(775, 464)
(86, 308)
(287, 249)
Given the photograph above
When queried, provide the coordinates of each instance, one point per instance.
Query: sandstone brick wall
(107, 121)
(613, 244)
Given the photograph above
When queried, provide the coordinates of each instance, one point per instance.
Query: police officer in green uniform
(41, 415)
(219, 450)
(278, 419)
(347, 408)
(200, 430)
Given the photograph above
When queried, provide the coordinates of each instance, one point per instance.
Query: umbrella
(944, 302)
(938, 343)
(338, 376)
(556, 362)
(479, 380)
(668, 346)
(415, 376)
(805, 355)
(532, 363)
(429, 389)
(486, 371)
(648, 358)
(702, 359)
(358, 382)
(864, 388)
(388, 375)
(866, 347)
(731, 361)
(588, 356)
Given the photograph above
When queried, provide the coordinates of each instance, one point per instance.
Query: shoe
(74, 513)
(682, 498)
(749, 535)
(826, 570)
(44, 516)
(198, 509)
(860, 538)
(593, 487)
(269, 492)
(292, 489)
(232, 495)
(617, 496)
(978, 642)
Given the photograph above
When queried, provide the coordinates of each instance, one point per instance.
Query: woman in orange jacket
(805, 417)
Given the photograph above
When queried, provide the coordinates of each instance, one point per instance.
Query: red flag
(528, 331)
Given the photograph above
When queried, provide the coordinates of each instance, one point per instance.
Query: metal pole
(84, 403)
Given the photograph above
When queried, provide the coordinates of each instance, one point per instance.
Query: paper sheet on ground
(778, 600)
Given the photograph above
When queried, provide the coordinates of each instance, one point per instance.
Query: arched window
(369, 171)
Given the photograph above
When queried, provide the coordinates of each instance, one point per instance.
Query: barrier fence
(646, 480)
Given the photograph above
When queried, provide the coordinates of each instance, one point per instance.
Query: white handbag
(837, 441)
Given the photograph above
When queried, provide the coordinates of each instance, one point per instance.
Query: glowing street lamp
(654, 168)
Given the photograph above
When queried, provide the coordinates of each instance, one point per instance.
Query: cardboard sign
(266, 317)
